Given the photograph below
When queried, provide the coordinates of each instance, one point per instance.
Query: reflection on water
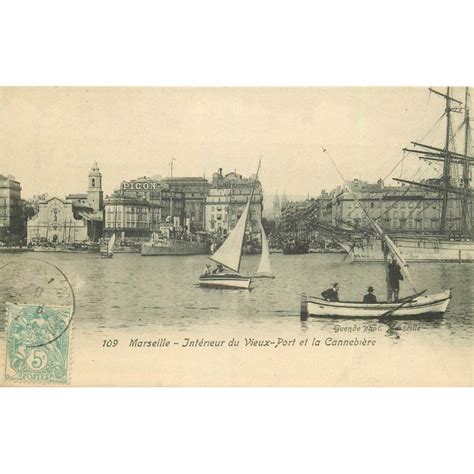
(157, 293)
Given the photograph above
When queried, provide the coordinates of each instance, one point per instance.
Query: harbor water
(160, 294)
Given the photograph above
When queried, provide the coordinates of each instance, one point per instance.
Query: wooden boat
(225, 280)
(419, 307)
(110, 248)
(229, 255)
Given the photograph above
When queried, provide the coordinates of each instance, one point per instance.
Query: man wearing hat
(331, 294)
(370, 298)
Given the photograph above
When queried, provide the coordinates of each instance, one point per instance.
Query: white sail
(400, 259)
(110, 244)
(264, 268)
(390, 244)
(230, 252)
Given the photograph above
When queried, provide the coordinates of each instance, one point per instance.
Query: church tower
(95, 195)
(276, 207)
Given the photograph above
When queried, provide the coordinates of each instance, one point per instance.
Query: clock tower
(95, 195)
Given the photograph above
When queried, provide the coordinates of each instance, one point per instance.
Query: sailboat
(414, 306)
(229, 255)
(264, 269)
(454, 188)
(110, 248)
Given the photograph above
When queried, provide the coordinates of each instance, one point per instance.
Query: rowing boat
(434, 305)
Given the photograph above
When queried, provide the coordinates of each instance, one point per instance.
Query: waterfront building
(11, 214)
(143, 206)
(62, 221)
(226, 201)
(195, 191)
(78, 218)
(398, 209)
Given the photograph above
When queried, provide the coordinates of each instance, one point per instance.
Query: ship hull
(230, 281)
(417, 250)
(173, 247)
(420, 307)
(295, 248)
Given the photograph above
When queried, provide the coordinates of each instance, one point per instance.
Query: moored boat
(172, 246)
(295, 247)
(426, 249)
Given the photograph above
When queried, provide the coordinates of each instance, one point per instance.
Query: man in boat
(394, 278)
(331, 294)
(219, 269)
(370, 298)
(207, 270)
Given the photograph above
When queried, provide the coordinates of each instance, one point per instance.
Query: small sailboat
(264, 268)
(229, 255)
(417, 305)
(110, 248)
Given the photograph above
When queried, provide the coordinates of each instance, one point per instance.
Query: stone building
(11, 213)
(141, 207)
(62, 221)
(77, 219)
(226, 201)
(398, 209)
(195, 191)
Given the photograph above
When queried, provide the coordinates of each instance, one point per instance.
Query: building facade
(95, 195)
(226, 200)
(11, 213)
(60, 221)
(77, 219)
(398, 209)
(195, 191)
(141, 206)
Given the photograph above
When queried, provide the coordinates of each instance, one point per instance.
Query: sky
(51, 136)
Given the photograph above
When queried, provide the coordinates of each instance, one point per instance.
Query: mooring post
(304, 308)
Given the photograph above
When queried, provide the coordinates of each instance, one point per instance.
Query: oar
(405, 301)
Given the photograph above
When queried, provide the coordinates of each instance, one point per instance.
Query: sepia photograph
(236, 236)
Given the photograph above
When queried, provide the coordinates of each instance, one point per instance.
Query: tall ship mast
(453, 187)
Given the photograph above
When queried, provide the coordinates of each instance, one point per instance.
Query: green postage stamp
(38, 343)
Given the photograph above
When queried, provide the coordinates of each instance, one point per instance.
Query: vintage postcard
(312, 236)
